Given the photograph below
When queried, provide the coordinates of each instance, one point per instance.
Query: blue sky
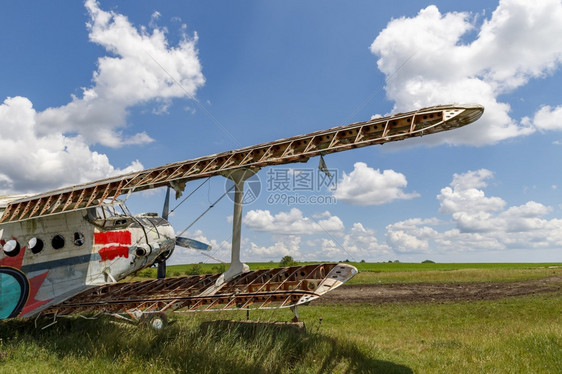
(94, 89)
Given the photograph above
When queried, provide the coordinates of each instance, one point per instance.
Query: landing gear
(156, 321)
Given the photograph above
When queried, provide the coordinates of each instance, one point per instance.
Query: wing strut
(237, 267)
(165, 212)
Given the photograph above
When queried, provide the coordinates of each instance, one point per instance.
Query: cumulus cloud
(142, 68)
(428, 62)
(285, 245)
(367, 186)
(473, 212)
(49, 149)
(292, 222)
(479, 222)
(548, 118)
(289, 246)
(412, 235)
(358, 243)
(469, 221)
(467, 204)
(31, 162)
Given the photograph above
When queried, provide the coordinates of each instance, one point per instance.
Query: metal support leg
(237, 267)
(296, 312)
(161, 272)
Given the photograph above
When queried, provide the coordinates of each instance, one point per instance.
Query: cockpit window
(108, 211)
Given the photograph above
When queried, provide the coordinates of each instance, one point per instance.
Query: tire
(156, 321)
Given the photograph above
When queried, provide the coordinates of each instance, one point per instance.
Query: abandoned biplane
(64, 252)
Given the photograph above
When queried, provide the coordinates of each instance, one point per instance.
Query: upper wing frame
(290, 150)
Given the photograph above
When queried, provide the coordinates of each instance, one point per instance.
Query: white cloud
(471, 222)
(286, 245)
(479, 222)
(548, 118)
(471, 179)
(289, 246)
(31, 162)
(292, 222)
(367, 186)
(455, 241)
(358, 243)
(143, 68)
(412, 235)
(471, 210)
(468, 205)
(355, 244)
(362, 242)
(428, 62)
(329, 249)
(50, 149)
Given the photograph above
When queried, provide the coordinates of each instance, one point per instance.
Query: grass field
(385, 272)
(513, 335)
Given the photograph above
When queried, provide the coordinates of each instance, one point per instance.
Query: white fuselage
(64, 254)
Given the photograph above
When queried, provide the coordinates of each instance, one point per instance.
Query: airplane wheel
(156, 321)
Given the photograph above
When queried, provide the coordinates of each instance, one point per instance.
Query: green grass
(81, 346)
(409, 267)
(512, 335)
(518, 335)
(405, 272)
(457, 275)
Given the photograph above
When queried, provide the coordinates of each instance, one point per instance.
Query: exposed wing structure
(258, 289)
(295, 149)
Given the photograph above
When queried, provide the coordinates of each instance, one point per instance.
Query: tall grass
(85, 346)
(519, 335)
(515, 335)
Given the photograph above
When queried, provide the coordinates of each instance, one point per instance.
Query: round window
(78, 239)
(58, 241)
(35, 244)
(12, 248)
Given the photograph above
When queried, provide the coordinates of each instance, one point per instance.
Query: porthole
(78, 239)
(35, 244)
(12, 248)
(58, 241)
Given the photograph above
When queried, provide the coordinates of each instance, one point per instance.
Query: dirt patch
(438, 292)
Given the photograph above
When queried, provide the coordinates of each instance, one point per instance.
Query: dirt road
(438, 292)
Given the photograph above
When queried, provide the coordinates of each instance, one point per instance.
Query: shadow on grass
(186, 347)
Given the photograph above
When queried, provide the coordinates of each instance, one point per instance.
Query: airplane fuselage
(46, 260)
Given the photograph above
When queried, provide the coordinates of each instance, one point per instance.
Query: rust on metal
(295, 149)
(258, 289)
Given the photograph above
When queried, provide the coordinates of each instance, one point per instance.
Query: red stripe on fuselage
(111, 252)
(112, 237)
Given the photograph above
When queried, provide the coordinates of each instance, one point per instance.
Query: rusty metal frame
(258, 289)
(295, 149)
